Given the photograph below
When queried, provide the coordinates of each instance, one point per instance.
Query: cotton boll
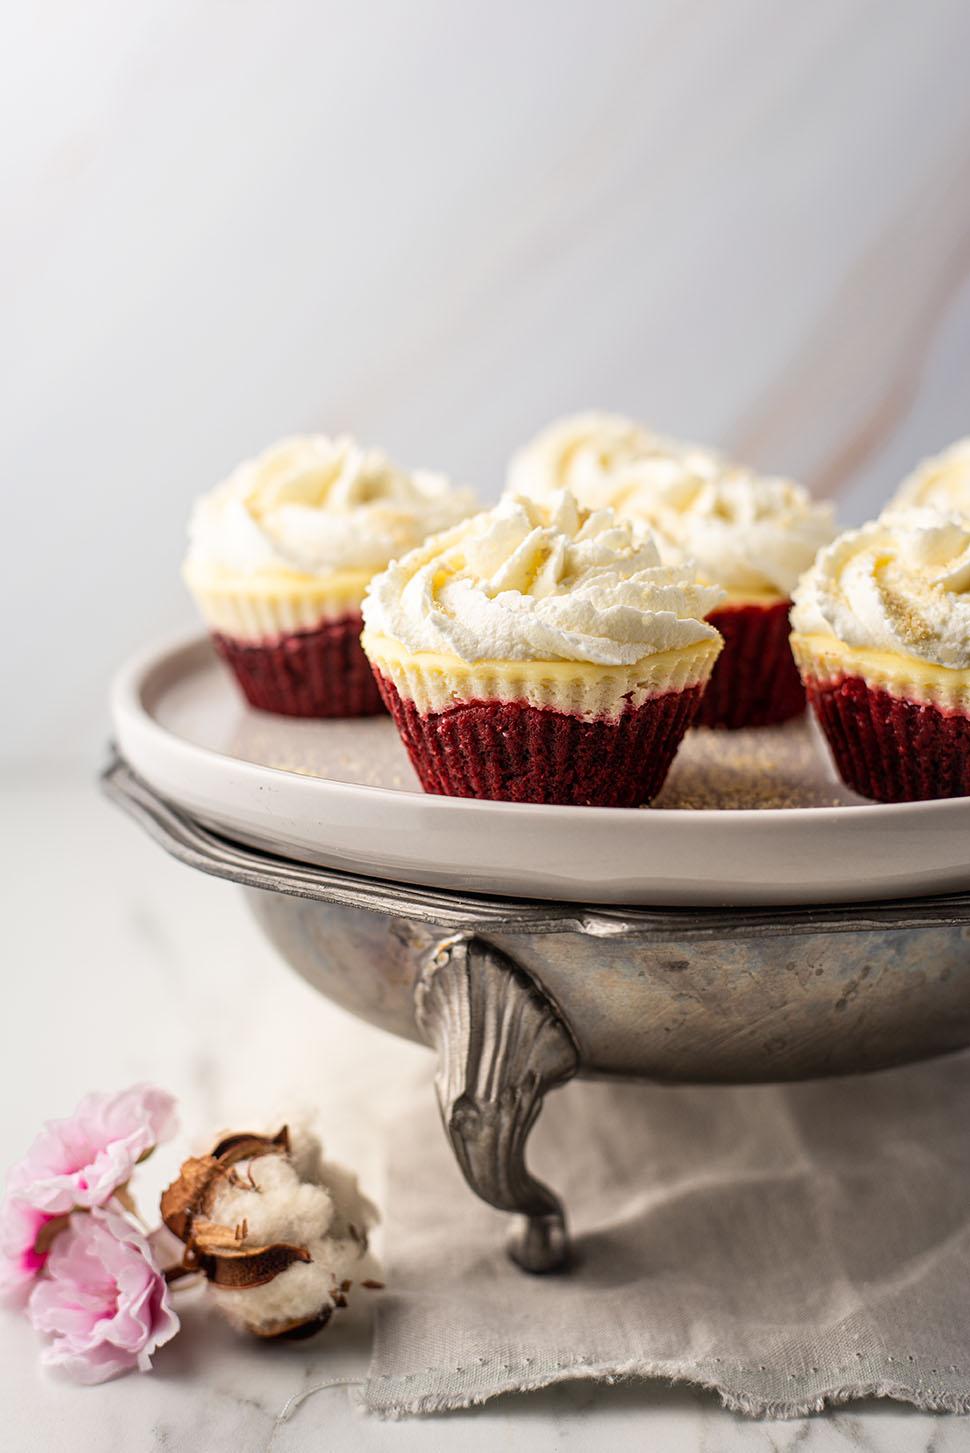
(278, 1206)
(300, 1200)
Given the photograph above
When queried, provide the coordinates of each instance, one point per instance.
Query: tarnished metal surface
(684, 995)
(515, 997)
(501, 1044)
(730, 1010)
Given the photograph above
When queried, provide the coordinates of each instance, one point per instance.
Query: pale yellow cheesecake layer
(825, 658)
(268, 604)
(579, 688)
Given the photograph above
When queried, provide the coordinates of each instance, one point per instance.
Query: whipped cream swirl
(538, 580)
(747, 531)
(900, 584)
(596, 455)
(942, 482)
(744, 531)
(315, 505)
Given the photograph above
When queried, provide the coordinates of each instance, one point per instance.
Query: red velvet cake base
(323, 672)
(889, 748)
(515, 752)
(755, 681)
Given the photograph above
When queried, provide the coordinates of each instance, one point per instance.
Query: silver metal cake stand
(518, 996)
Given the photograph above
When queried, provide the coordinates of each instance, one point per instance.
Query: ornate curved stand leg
(501, 1045)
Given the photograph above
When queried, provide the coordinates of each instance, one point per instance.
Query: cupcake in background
(751, 534)
(881, 634)
(541, 653)
(280, 555)
(942, 482)
(754, 535)
(600, 457)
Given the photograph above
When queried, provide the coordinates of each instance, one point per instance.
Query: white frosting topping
(746, 531)
(538, 580)
(942, 482)
(591, 454)
(316, 505)
(900, 584)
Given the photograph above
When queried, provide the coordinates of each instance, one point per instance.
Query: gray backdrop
(438, 225)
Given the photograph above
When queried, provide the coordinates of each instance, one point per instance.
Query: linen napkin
(787, 1246)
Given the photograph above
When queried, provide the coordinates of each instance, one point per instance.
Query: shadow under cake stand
(517, 996)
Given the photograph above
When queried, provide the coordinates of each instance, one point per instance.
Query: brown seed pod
(214, 1249)
(216, 1198)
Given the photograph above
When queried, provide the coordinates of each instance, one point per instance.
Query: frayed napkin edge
(751, 1405)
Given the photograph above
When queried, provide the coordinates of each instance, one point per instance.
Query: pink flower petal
(83, 1160)
(19, 1262)
(103, 1299)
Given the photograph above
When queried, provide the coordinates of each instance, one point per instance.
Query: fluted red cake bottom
(515, 752)
(755, 681)
(322, 672)
(889, 748)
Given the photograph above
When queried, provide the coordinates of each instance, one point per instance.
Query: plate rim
(127, 705)
(655, 857)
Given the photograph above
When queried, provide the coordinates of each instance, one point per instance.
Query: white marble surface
(440, 225)
(122, 964)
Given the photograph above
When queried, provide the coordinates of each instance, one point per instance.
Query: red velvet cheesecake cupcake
(882, 639)
(541, 653)
(281, 554)
(750, 534)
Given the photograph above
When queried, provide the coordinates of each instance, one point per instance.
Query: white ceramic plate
(755, 817)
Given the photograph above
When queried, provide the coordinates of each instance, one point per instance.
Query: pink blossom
(102, 1299)
(19, 1262)
(83, 1160)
